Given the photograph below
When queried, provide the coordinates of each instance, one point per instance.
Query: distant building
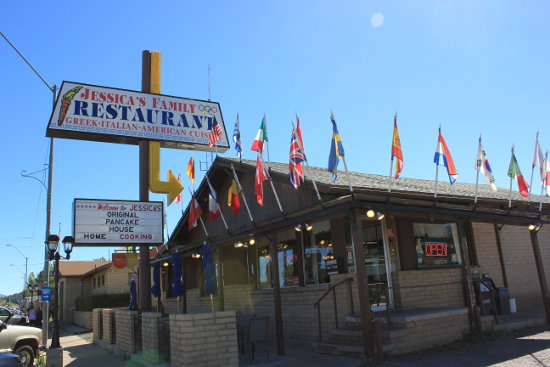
(82, 278)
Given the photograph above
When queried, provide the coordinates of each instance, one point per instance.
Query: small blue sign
(46, 294)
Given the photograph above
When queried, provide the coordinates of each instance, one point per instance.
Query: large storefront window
(287, 249)
(319, 259)
(436, 244)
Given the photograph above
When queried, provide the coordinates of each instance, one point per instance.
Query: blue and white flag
(237, 138)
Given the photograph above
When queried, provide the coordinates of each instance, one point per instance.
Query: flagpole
(543, 181)
(478, 167)
(221, 213)
(436, 176)
(307, 163)
(272, 186)
(266, 143)
(510, 193)
(390, 176)
(533, 169)
(242, 194)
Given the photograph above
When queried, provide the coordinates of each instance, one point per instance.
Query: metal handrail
(332, 289)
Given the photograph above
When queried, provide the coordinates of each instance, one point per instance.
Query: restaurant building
(318, 264)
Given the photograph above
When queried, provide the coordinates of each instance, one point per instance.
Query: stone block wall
(150, 336)
(427, 331)
(97, 321)
(430, 288)
(127, 338)
(83, 319)
(109, 335)
(208, 339)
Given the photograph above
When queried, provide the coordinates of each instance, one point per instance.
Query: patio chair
(257, 334)
(243, 323)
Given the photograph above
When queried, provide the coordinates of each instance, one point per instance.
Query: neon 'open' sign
(435, 249)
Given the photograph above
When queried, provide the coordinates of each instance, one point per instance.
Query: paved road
(527, 348)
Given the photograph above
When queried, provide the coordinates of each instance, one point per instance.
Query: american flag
(296, 173)
(215, 133)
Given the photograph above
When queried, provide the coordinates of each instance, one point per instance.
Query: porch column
(540, 272)
(277, 294)
(362, 285)
(475, 320)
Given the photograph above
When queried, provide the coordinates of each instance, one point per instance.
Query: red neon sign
(435, 249)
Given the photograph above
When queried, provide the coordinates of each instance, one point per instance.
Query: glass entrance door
(376, 263)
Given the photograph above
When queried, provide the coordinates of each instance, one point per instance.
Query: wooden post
(150, 83)
(501, 255)
(277, 294)
(475, 320)
(362, 285)
(540, 272)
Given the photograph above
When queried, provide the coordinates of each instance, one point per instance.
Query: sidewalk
(79, 351)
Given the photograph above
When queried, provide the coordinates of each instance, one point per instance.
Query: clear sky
(472, 67)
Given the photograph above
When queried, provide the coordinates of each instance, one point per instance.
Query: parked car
(21, 340)
(12, 317)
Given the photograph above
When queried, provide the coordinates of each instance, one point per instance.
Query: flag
(396, 149)
(336, 150)
(515, 173)
(178, 198)
(538, 159)
(213, 205)
(299, 136)
(233, 198)
(546, 175)
(194, 212)
(191, 169)
(483, 166)
(261, 136)
(215, 133)
(259, 182)
(237, 138)
(443, 158)
(296, 173)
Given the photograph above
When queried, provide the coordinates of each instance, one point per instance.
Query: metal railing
(164, 338)
(332, 289)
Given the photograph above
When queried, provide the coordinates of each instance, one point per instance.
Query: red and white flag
(178, 198)
(194, 212)
(538, 159)
(546, 175)
(259, 182)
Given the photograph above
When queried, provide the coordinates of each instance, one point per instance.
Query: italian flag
(515, 173)
(261, 136)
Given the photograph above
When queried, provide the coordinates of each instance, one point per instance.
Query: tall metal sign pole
(150, 83)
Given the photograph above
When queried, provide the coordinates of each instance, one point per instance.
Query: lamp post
(26, 268)
(53, 244)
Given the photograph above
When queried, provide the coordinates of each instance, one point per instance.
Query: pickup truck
(22, 340)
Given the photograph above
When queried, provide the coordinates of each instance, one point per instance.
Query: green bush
(88, 303)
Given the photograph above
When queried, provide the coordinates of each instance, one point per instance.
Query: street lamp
(53, 244)
(26, 267)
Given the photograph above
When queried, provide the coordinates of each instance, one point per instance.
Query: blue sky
(473, 67)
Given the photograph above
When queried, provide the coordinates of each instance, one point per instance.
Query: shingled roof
(372, 182)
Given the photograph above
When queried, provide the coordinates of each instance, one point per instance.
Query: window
(319, 260)
(436, 244)
(287, 256)
(93, 282)
(103, 279)
(264, 265)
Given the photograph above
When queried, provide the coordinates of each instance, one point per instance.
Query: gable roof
(81, 268)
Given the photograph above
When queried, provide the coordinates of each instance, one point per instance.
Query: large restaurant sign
(109, 223)
(90, 112)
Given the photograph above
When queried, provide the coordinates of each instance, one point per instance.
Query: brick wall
(429, 288)
(108, 327)
(150, 336)
(487, 252)
(97, 321)
(116, 281)
(208, 339)
(71, 291)
(128, 338)
(519, 260)
(83, 319)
